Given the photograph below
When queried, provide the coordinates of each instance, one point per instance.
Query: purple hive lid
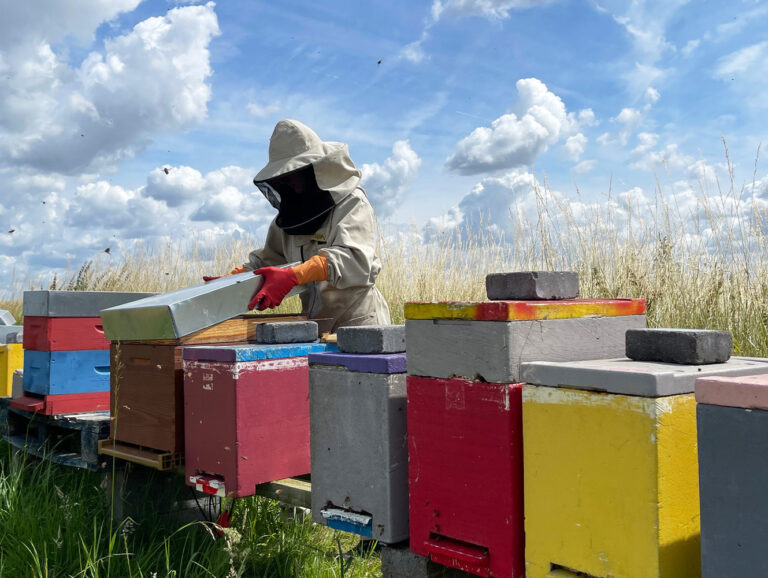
(367, 363)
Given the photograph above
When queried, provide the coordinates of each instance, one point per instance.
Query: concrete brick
(6, 317)
(359, 448)
(381, 363)
(749, 392)
(493, 351)
(17, 387)
(286, 332)
(532, 285)
(397, 561)
(684, 346)
(8, 333)
(733, 475)
(74, 303)
(637, 378)
(17, 337)
(371, 339)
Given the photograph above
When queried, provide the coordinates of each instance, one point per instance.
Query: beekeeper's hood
(305, 177)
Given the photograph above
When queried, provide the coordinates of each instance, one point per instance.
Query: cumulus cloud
(69, 120)
(537, 120)
(66, 121)
(488, 208)
(385, 184)
(574, 146)
(492, 9)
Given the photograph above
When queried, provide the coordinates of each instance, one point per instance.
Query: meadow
(700, 267)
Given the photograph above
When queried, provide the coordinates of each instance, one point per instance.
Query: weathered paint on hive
(611, 484)
(524, 310)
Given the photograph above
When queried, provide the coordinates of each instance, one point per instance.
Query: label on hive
(524, 310)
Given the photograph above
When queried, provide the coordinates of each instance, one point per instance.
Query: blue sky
(452, 108)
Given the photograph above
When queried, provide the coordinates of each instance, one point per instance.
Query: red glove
(206, 278)
(277, 283)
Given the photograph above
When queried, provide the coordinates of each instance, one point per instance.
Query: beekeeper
(324, 222)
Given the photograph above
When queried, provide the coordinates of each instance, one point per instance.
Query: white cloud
(537, 120)
(670, 158)
(263, 110)
(53, 20)
(587, 117)
(645, 23)
(690, 47)
(747, 60)
(585, 166)
(652, 95)
(68, 120)
(385, 184)
(488, 208)
(574, 146)
(414, 52)
(492, 9)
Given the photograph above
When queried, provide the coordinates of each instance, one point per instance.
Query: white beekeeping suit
(325, 222)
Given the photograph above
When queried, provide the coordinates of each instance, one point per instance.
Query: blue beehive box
(66, 372)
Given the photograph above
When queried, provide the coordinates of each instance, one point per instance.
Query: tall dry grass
(700, 266)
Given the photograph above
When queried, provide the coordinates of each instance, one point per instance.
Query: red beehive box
(465, 474)
(246, 415)
(63, 333)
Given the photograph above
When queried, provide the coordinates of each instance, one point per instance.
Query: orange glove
(278, 282)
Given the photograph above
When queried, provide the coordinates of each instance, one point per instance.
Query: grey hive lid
(640, 378)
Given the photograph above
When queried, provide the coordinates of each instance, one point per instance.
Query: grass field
(708, 270)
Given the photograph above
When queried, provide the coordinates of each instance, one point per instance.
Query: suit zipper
(312, 289)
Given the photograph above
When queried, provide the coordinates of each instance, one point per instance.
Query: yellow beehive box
(11, 359)
(610, 467)
(611, 484)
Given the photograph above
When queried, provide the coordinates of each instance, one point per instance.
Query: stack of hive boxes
(611, 477)
(358, 433)
(11, 351)
(465, 411)
(247, 409)
(732, 422)
(66, 361)
(147, 392)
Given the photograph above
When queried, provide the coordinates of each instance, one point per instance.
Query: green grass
(55, 521)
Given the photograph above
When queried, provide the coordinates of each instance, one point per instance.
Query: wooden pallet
(149, 457)
(67, 439)
(290, 491)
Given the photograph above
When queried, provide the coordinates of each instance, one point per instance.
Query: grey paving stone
(286, 332)
(371, 339)
(11, 334)
(684, 346)
(397, 561)
(532, 285)
(17, 383)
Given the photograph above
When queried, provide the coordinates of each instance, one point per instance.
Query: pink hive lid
(749, 391)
